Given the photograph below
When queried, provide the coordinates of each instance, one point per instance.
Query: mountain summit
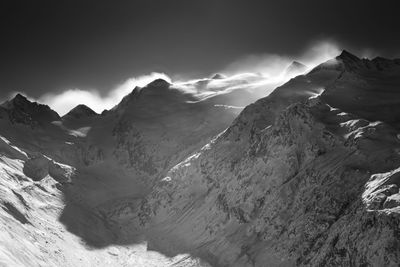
(159, 83)
(347, 56)
(218, 76)
(22, 110)
(80, 111)
(295, 68)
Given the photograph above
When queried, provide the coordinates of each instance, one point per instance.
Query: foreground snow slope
(32, 235)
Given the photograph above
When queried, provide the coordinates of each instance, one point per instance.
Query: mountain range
(221, 171)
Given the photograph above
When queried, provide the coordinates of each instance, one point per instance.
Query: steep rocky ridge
(302, 177)
(21, 110)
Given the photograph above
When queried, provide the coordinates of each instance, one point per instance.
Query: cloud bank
(273, 66)
(254, 70)
(68, 99)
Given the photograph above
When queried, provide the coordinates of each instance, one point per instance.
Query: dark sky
(53, 45)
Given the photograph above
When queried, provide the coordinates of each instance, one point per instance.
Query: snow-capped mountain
(180, 174)
(21, 110)
(305, 176)
(58, 171)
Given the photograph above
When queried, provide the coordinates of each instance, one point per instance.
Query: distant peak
(19, 96)
(296, 67)
(17, 100)
(81, 111)
(159, 83)
(218, 76)
(22, 110)
(82, 107)
(297, 64)
(345, 55)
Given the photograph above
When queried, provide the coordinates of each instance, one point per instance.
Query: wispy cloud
(68, 99)
(252, 71)
(319, 52)
(273, 66)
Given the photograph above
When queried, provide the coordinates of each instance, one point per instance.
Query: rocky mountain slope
(57, 172)
(305, 176)
(182, 175)
(21, 110)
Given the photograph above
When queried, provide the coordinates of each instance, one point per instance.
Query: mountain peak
(347, 56)
(156, 87)
(350, 62)
(156, 97)
(80, 111)
(18, 100)
(159, 83)
(296, 67)
(297, 64)
(218, 76)
(22, 110)
(20, 97)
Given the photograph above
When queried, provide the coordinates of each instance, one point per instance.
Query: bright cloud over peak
(258, 70)
(68, 99)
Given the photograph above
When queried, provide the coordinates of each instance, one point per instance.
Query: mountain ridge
(306, 176)
(22, 110)
(275, 163)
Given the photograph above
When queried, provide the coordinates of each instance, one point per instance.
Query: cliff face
(296, 180)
